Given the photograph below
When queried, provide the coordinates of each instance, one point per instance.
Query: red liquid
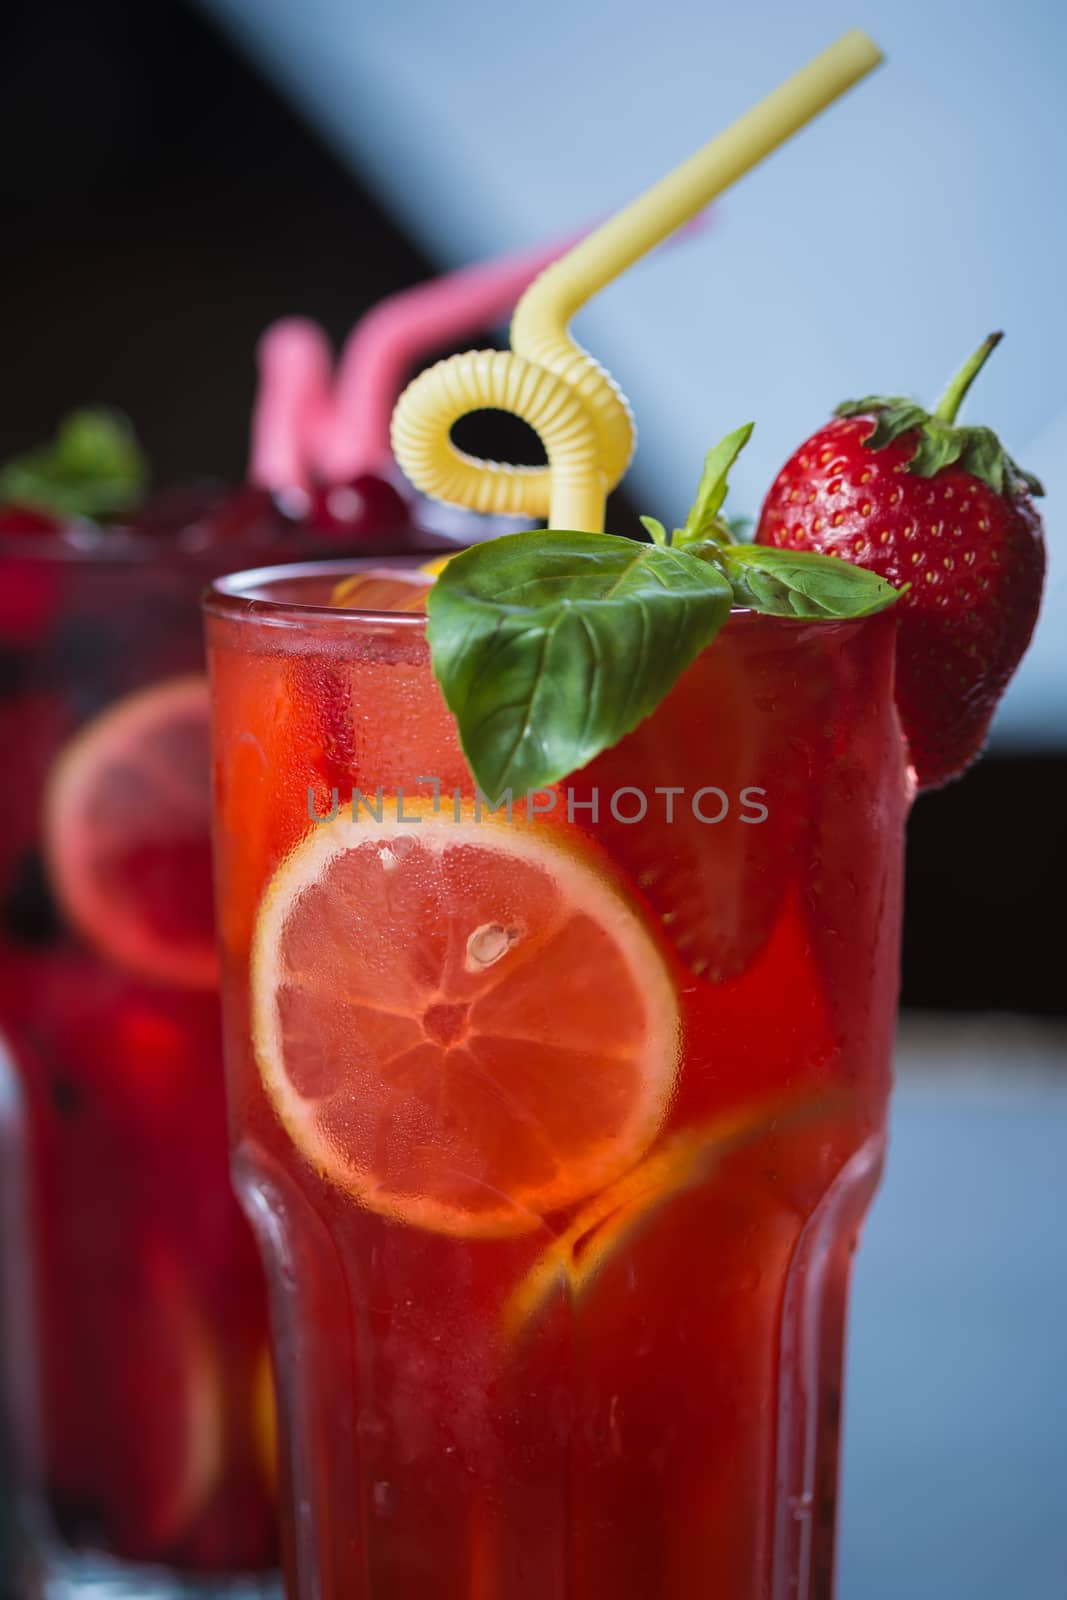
(662, 1420)
(144, 1351)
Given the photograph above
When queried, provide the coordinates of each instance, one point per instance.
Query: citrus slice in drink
(601, 1229)
(384, 589)
(128, 833)
(170, 1386)
(265, 1419)
(461, 1021)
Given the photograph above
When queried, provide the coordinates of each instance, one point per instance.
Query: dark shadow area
(986, 873)
(161, 206)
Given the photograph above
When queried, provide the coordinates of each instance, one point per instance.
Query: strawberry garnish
(945, 510)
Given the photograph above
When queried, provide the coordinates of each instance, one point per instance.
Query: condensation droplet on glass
(801, 1505)
(384, 1498)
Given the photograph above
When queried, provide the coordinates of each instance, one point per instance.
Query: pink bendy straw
(404, 329)
(302, 432)
(293, 402)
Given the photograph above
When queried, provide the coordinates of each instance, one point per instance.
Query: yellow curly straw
(546, 378)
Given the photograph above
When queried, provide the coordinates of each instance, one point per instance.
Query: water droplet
(385, 1499)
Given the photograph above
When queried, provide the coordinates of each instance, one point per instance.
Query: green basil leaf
(801, 583)
(550, 645)
(94, 467)
(701, 522)
(655, 529)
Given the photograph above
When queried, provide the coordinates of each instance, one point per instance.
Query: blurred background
(178, 175)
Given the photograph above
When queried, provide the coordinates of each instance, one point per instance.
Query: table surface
(955, 1469)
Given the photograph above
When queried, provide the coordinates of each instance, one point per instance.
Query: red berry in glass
(364, 507)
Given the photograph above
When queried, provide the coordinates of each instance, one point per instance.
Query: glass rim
(113, 547)
(84, 543)
(234, 595)
(245, 596)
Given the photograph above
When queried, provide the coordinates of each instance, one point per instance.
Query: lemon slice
(128, 833)
(461, 1021)
(604, 1226)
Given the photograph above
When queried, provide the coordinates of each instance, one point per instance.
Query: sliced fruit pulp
(747, 726)
(857, 841)
(461, 1022)
(128, 833)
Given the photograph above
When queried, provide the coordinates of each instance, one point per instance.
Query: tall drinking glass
(557, 1120)
(138, 1324)
(142, 1309)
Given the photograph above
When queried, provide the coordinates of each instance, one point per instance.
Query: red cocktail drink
(556, 1126)
(141, 1337)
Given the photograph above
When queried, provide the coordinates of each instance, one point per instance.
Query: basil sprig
(549, 646)
(94, 467)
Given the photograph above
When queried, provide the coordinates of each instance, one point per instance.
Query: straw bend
(570, 488)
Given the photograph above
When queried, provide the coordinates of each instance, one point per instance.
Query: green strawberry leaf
(1026, 479)
(983, 455)
(892, 418)
(702, 522)
(800, 583)
(940, 442)
(94, 467)
(940, 446)
(549, 646)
